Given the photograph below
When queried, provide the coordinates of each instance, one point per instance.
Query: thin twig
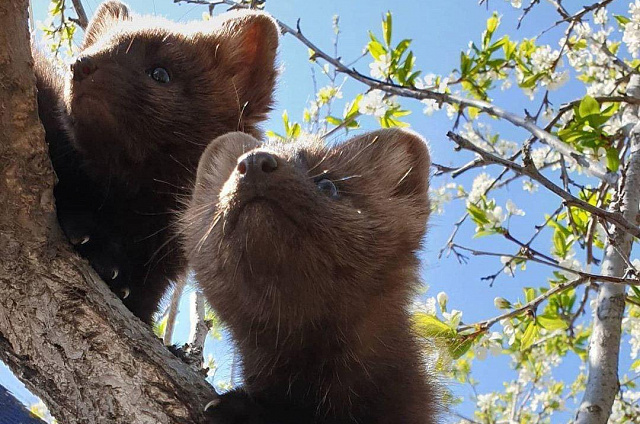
(582, 274)
(530, 306)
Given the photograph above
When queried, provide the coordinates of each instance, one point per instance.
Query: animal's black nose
(257, 163)
(82, 68)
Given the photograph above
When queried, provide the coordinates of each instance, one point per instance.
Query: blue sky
(440, 29)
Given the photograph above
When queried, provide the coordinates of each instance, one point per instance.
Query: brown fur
(316, 289)
(125, 147)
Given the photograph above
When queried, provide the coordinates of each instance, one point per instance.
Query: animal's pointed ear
(247, 42)
(220, 158)
(106, 15)
(395, 161)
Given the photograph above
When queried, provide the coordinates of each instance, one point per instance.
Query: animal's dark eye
(327, 187)
(159, 74)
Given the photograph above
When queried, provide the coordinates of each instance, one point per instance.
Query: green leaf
(529, 336)
(294, 131)
(509, 49)
(492, 23)
(411, 78)
(159, 327)
(273, 134)
(613, 161)
(333, 120)
(460, 345)
(636, 365)
(550, 322)
(530, 82)
(622, 20)
(580, 44)
(478, 215)
(430, 326)
(529, 294)
(560, 243)
(376, 48)
(465, 64)
(500, 43)
(588, 106)
(401, 48)
(483, 233)
(400, 112)
(387, 28)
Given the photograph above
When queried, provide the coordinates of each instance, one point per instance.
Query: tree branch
(531, 306)
(585, 275)
(604, 345)
(532, 172)
(62, 331)
(82, 15)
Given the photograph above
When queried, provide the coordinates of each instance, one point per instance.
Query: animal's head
(307, 230)
(143, 85)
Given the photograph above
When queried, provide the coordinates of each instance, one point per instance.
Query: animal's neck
(343, 347)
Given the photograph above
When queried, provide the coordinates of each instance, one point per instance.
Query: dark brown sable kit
(142, 101)
(308, 254)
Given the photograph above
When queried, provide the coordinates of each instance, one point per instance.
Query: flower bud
(442, 301)
(501, 303)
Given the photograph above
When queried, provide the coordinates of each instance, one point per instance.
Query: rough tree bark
(604, 346)
(62, 332)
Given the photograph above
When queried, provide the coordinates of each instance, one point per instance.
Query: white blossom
(431, 106)
(428, 306)
(380, 67)
(530, 186)
(512, 209)
(440, 196)
(508, 330)
(557, 80)
(373, 103)
(516, 3)
(509, 265)
(479, 186)
(631, 36)
(453, 318)
(600, 16)
(569, 262)
(496, 216)
(506, 84)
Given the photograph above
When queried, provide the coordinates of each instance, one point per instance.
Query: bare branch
(82, 15)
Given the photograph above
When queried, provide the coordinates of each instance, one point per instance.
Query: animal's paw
(108, 258)
(234, 407)
(77, 218)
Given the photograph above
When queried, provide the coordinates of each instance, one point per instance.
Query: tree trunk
(62, 331)
(604, 345)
